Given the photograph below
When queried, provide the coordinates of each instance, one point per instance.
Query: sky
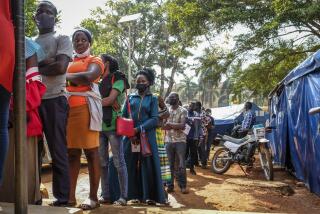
(74, 11)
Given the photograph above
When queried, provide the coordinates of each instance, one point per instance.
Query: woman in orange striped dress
(82, 75)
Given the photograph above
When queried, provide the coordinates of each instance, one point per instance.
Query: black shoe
(59, 204)
(192, 172)
(203, 167)
(39, 202)
(170, 189)
(151, 202)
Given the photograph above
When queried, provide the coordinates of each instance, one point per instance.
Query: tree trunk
(162, 80)
(171, 80)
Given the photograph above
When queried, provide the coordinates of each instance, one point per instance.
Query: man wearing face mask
(54, 107)
(175, 140)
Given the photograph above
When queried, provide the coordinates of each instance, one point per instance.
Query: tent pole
(19, 99)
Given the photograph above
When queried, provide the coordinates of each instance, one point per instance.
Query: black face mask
(141, 87)
(173, 102)
(45, 21)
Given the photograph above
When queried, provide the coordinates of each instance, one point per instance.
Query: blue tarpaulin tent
(296, 141)
(225, 117)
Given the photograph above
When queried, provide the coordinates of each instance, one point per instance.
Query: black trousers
(54, 116)
(192, 153)
(202, 152)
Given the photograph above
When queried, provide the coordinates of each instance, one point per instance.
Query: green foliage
(30, 8)
(272, 37)
(188, 89)
(153, 42)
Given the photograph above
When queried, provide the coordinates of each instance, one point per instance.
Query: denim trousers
(4, 117)
(177, 150)
(106, 138)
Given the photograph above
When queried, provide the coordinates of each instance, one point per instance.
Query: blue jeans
(4, 117)
(177, 150)
(118, 160)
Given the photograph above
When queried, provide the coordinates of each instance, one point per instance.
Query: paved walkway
(7, 208)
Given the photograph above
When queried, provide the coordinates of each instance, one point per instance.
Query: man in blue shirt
(249, 117)
(247, 123)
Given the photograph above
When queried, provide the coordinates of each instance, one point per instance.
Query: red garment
(7, 47)
(34, 92)
(35, 89)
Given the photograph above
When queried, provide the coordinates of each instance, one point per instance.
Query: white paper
(187, 129)
(135, 147)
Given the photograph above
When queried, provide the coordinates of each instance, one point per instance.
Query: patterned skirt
(164, 162)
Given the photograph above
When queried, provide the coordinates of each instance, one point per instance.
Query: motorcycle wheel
(221, 161)
(266, 162)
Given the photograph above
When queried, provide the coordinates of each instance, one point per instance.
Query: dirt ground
(211, 192)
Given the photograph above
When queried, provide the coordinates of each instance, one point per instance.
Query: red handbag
(145, 145)
(125, 126)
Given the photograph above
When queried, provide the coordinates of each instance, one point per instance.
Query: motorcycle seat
(234, 140)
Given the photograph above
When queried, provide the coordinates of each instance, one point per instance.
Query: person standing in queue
(175, 140)
(85, 117)
(54, 107)
(112, 88)
(144, 173)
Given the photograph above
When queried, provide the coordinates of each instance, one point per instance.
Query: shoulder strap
(112, 79)
(128, 106)
(139, 112)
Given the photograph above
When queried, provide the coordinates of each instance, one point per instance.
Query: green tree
(276, 35)
(30, 8)
(154, 44)
(188, 89)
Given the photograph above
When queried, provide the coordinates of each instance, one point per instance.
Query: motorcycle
(241, 151)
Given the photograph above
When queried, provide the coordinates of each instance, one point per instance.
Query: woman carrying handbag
(144, 173)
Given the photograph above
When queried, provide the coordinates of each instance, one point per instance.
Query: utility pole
(129, 19)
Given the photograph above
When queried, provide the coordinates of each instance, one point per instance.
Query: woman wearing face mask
(144, 174)
(82, 75)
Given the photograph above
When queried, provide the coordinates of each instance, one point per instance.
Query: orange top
(81, 65)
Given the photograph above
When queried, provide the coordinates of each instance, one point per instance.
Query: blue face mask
(45, 21)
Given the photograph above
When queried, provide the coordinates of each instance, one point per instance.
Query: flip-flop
(89, 204)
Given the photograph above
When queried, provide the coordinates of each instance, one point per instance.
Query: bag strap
(128, 106)
(139, 112)
(112, 79)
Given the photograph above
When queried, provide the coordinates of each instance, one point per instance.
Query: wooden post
(19, 99)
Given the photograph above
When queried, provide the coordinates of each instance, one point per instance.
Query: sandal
(89, 204)
(120, 202)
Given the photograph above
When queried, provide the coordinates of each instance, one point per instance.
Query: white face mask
(84, 54)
